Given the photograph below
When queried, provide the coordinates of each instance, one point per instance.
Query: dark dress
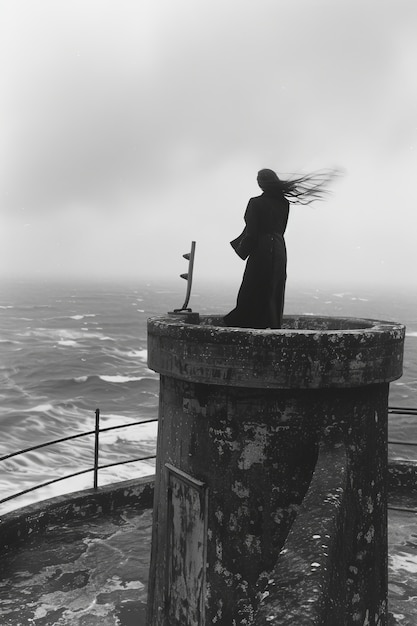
(260, 301)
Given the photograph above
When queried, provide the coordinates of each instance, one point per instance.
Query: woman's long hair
(298, 190)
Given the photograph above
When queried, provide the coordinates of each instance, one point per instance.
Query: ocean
(70, 348)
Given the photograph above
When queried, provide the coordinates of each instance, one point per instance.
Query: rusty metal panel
(186, 549)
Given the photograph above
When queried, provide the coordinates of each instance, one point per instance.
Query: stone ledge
(309, 352)
(17, 525)
(402, 475)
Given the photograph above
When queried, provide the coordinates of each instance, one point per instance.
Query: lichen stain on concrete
(254, 451)
(240, 490)
(193, 406)
(253, 544)
(223, 439)
(370, 535)
(219, 549)
(233, 523)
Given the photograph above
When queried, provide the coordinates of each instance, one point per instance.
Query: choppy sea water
(67, 349)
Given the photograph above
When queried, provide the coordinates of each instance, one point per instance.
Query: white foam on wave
(120, 379)
(67, 342)
(81, 317)
(404, 561)
(412, 333)
(64, 334)
(40, 408)
(139, 354)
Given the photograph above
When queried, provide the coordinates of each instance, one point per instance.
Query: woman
(260, 301)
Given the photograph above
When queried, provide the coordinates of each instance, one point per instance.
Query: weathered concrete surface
(403, 476)
(308, 352)
(306, 586)
(18, 525)
(325, 573)
(85, 563)
(238, 446)
(241, 416)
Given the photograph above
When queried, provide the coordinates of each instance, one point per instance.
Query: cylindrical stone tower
(241, 415)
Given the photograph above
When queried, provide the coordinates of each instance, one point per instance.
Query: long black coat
(260, 301)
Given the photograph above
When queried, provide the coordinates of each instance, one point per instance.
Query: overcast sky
(130, 128)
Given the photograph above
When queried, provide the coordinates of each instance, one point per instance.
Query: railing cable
(96, 467)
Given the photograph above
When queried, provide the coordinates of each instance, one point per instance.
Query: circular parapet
(309, 352)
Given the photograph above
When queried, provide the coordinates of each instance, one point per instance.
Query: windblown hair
(298, 190)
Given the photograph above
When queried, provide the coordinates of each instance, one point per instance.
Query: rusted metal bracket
(188, 276)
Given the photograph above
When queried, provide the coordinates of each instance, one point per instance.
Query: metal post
(96, 433)
(188, 276)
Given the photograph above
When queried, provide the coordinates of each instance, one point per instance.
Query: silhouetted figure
(260, 301)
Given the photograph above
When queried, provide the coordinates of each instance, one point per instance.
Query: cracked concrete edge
(19, 524)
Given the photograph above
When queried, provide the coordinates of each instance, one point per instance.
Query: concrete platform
(94, 572)
(83, 560)
(83, 573)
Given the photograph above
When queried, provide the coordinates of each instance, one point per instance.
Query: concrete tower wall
(242, 416)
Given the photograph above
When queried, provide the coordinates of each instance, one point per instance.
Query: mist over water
(69, 348)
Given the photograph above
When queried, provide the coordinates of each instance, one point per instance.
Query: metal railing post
(93, 469)
(96, 434)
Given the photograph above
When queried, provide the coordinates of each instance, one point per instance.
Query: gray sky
(130, 128)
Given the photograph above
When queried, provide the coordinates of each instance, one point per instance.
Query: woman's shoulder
(256, 201)
(265, 201)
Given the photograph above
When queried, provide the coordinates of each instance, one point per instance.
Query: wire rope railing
(96, 467)
(397, 410)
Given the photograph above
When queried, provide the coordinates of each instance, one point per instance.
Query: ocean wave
(412, 333)
(81, 379)
(121, 379)
(81, 317)
(141, 354)
(67, 342)
(138, 354)
(40, 408)
(109, 378)
(64, 334)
